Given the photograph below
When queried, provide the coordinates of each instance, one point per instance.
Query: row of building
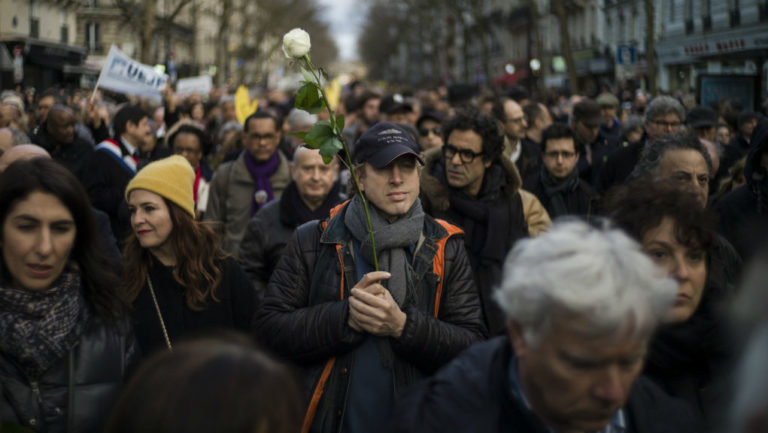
(65, 42)
(608, 40)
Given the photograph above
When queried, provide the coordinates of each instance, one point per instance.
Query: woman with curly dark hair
(176, 275)
(65, 343)
(688, 356)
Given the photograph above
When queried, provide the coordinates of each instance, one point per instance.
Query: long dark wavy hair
(23, 178)
(198, 255)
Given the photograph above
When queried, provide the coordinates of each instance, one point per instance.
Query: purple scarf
(262, 192)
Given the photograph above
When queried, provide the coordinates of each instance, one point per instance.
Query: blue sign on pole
(625, 55)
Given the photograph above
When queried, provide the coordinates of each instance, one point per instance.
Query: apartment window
(688, 17)
(93, 37)
(672, 7)
(735, 13)
(764, 11)
(64, 34)
(34, 27)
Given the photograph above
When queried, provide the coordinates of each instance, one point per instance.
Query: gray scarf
(39, 327)
(392, 240)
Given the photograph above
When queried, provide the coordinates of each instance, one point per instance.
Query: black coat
(304, 318)
(266, 235)
(487, 246)
(92, 374)
(582, 201)
(234, 309)
(744, 211)
(603, 146)
(472, 394)
(74, 156)
(105, 180)
(618, 166)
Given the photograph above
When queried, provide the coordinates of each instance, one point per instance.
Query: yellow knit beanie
(172, 178)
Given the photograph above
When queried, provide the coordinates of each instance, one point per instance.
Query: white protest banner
(201, 85)
(125, 75)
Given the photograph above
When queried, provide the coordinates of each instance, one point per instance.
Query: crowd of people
(510, 263)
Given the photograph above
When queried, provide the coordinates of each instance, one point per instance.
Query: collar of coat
(439, 193)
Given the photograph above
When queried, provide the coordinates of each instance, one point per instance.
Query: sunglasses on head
(425, 131)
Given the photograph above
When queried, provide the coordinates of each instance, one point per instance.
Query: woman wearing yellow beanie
(179, 280)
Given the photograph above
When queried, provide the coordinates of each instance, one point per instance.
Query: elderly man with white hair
(581, 304)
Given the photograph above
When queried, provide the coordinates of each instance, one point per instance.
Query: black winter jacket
(73, 156)
(77, 393)
(472, 394)
(487, 245)
(304, 316)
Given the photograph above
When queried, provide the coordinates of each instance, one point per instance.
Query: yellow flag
(333, 93)
(244, 107)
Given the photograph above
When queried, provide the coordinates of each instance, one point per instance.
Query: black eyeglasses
(425, 131)
(466, 155)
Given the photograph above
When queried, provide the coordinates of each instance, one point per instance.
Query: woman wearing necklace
(65, 341)
(177, 277)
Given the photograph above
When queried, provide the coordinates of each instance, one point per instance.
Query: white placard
(125, 75)
(201, 85)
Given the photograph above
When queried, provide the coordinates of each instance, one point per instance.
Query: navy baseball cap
(383, 143)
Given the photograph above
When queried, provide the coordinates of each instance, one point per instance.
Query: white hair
(575, 269)
(301, 119)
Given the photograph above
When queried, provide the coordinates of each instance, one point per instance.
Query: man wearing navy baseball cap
(365, 335)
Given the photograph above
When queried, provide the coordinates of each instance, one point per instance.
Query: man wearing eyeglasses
(663, 116)
(469, 183)
(558, 185)
(241, 187)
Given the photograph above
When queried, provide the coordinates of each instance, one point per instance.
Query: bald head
(61, 125)
(21, 152)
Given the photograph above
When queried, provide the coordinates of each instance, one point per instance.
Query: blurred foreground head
(210, 386)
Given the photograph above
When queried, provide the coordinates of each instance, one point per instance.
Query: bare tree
(565, 42)
(142, 15)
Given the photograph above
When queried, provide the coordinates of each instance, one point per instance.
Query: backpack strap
(438, 263)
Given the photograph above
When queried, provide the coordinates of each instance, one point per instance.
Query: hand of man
(372, 308)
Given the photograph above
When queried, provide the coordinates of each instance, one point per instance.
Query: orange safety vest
(438, 267)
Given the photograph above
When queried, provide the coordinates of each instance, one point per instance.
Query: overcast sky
(345, 18)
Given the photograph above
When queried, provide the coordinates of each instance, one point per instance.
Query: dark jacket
(304, 314)
(618, 166)
(105, 180)
(73, 156)
(77, 393)
(744, 211)
(234, 309)
(472, 394)
(266, 235)
(487, 244)
(603, 146)
(582, 200)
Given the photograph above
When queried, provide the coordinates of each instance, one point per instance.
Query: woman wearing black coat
(688, 355)
(64, 346)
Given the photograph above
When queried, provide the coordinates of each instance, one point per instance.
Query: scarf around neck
(294, 212)
(40, 327)
(392, 241)
(556, 188)
(262, 190)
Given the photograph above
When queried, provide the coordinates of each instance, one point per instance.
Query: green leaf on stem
(339, 124)
(308, 98)
(330, 149)
(298, 134)
(319, 134)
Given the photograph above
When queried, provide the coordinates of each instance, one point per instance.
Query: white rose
(296, 44)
